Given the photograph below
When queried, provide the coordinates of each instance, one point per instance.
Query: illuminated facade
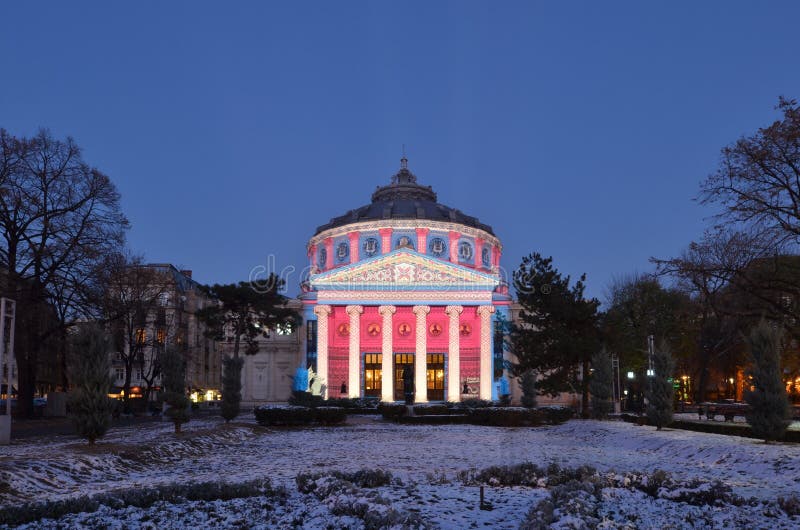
(405, 282)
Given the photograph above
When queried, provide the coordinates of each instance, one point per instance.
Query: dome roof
(403, 198)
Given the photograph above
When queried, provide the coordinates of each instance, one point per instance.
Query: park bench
(727, 410)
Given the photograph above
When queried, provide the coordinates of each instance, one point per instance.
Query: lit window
(161, 336)
(141, 335)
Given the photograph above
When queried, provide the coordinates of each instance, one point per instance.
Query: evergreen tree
(601, 385)
(528, 383)
(89, 404)
(769, 405)
(558, 329)
(231, 387)
(173, 370)
(247, 311)
(660, 392)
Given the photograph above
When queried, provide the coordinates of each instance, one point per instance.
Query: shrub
(528, 384)
(392, 411)
(270, 416)
(231, 387)
(660, 391)
(556, 415)
(769, 406)
(600, 386)
(89, 404)
(472, 403)
(363, 478)
(173, 370)
(302, 398)
(330, 415)
(790, 505)
(431, 410)
(505, 416)
(139, 498)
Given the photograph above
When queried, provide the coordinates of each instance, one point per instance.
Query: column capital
(387, 310)
(485, 310)
(353, 310)
(322, 310)
(421, 310)
(454, 309)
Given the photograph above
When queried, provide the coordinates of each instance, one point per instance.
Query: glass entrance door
(401, 360)
(372, 374)
(435, 376)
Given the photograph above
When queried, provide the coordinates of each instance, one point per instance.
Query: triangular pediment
(403, 269)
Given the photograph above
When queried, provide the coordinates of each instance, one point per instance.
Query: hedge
(713, 427)
(292, 416)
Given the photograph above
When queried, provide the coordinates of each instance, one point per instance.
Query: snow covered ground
(428, 463)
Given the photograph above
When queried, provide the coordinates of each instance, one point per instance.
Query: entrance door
(435, 376)
(401, 360)
(372, 374)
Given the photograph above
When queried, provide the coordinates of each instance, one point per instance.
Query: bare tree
(59, 218)
(134, 304)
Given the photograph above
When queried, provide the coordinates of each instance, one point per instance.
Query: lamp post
(7, 321)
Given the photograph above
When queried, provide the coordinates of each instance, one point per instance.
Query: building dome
(404, 198)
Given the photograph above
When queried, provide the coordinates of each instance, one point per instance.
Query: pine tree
(557, 330)
(528, 383)
(89, 404)
(660, 392)
(231, 387)
(769, 405)
(173, 370)
(601, 385)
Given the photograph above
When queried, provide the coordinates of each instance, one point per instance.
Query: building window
(372, 374)
(141, 335)
(161, 336)
(120, 374)
(434, 376)
(284, 329)
(322, 262)
(486, 254)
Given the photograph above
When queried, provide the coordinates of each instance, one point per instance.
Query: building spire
(404, 160)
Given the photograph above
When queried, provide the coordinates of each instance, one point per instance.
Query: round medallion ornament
(465, 330)
(342, 251)
(404, 329)
(373, 329)
(404, 242)
(370, 246)
(437, 247)
(486, 255)
(435, 329)
(465, 251)
(343, 329)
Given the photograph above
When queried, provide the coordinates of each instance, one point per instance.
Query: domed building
(405, 284)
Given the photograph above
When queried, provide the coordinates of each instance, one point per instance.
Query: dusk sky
(579, 130)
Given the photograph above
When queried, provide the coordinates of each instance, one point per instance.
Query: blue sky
(579, 130)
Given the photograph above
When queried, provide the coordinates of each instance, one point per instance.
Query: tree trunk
(585, 390)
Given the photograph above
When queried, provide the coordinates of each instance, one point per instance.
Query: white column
(453, 354)
(354, 357)
(322, 312)
(421, 355)
(387, 355)
(485, 313)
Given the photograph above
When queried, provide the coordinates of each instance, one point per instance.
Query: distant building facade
(169, 320)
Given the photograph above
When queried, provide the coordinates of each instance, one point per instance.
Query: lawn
(434, 476)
